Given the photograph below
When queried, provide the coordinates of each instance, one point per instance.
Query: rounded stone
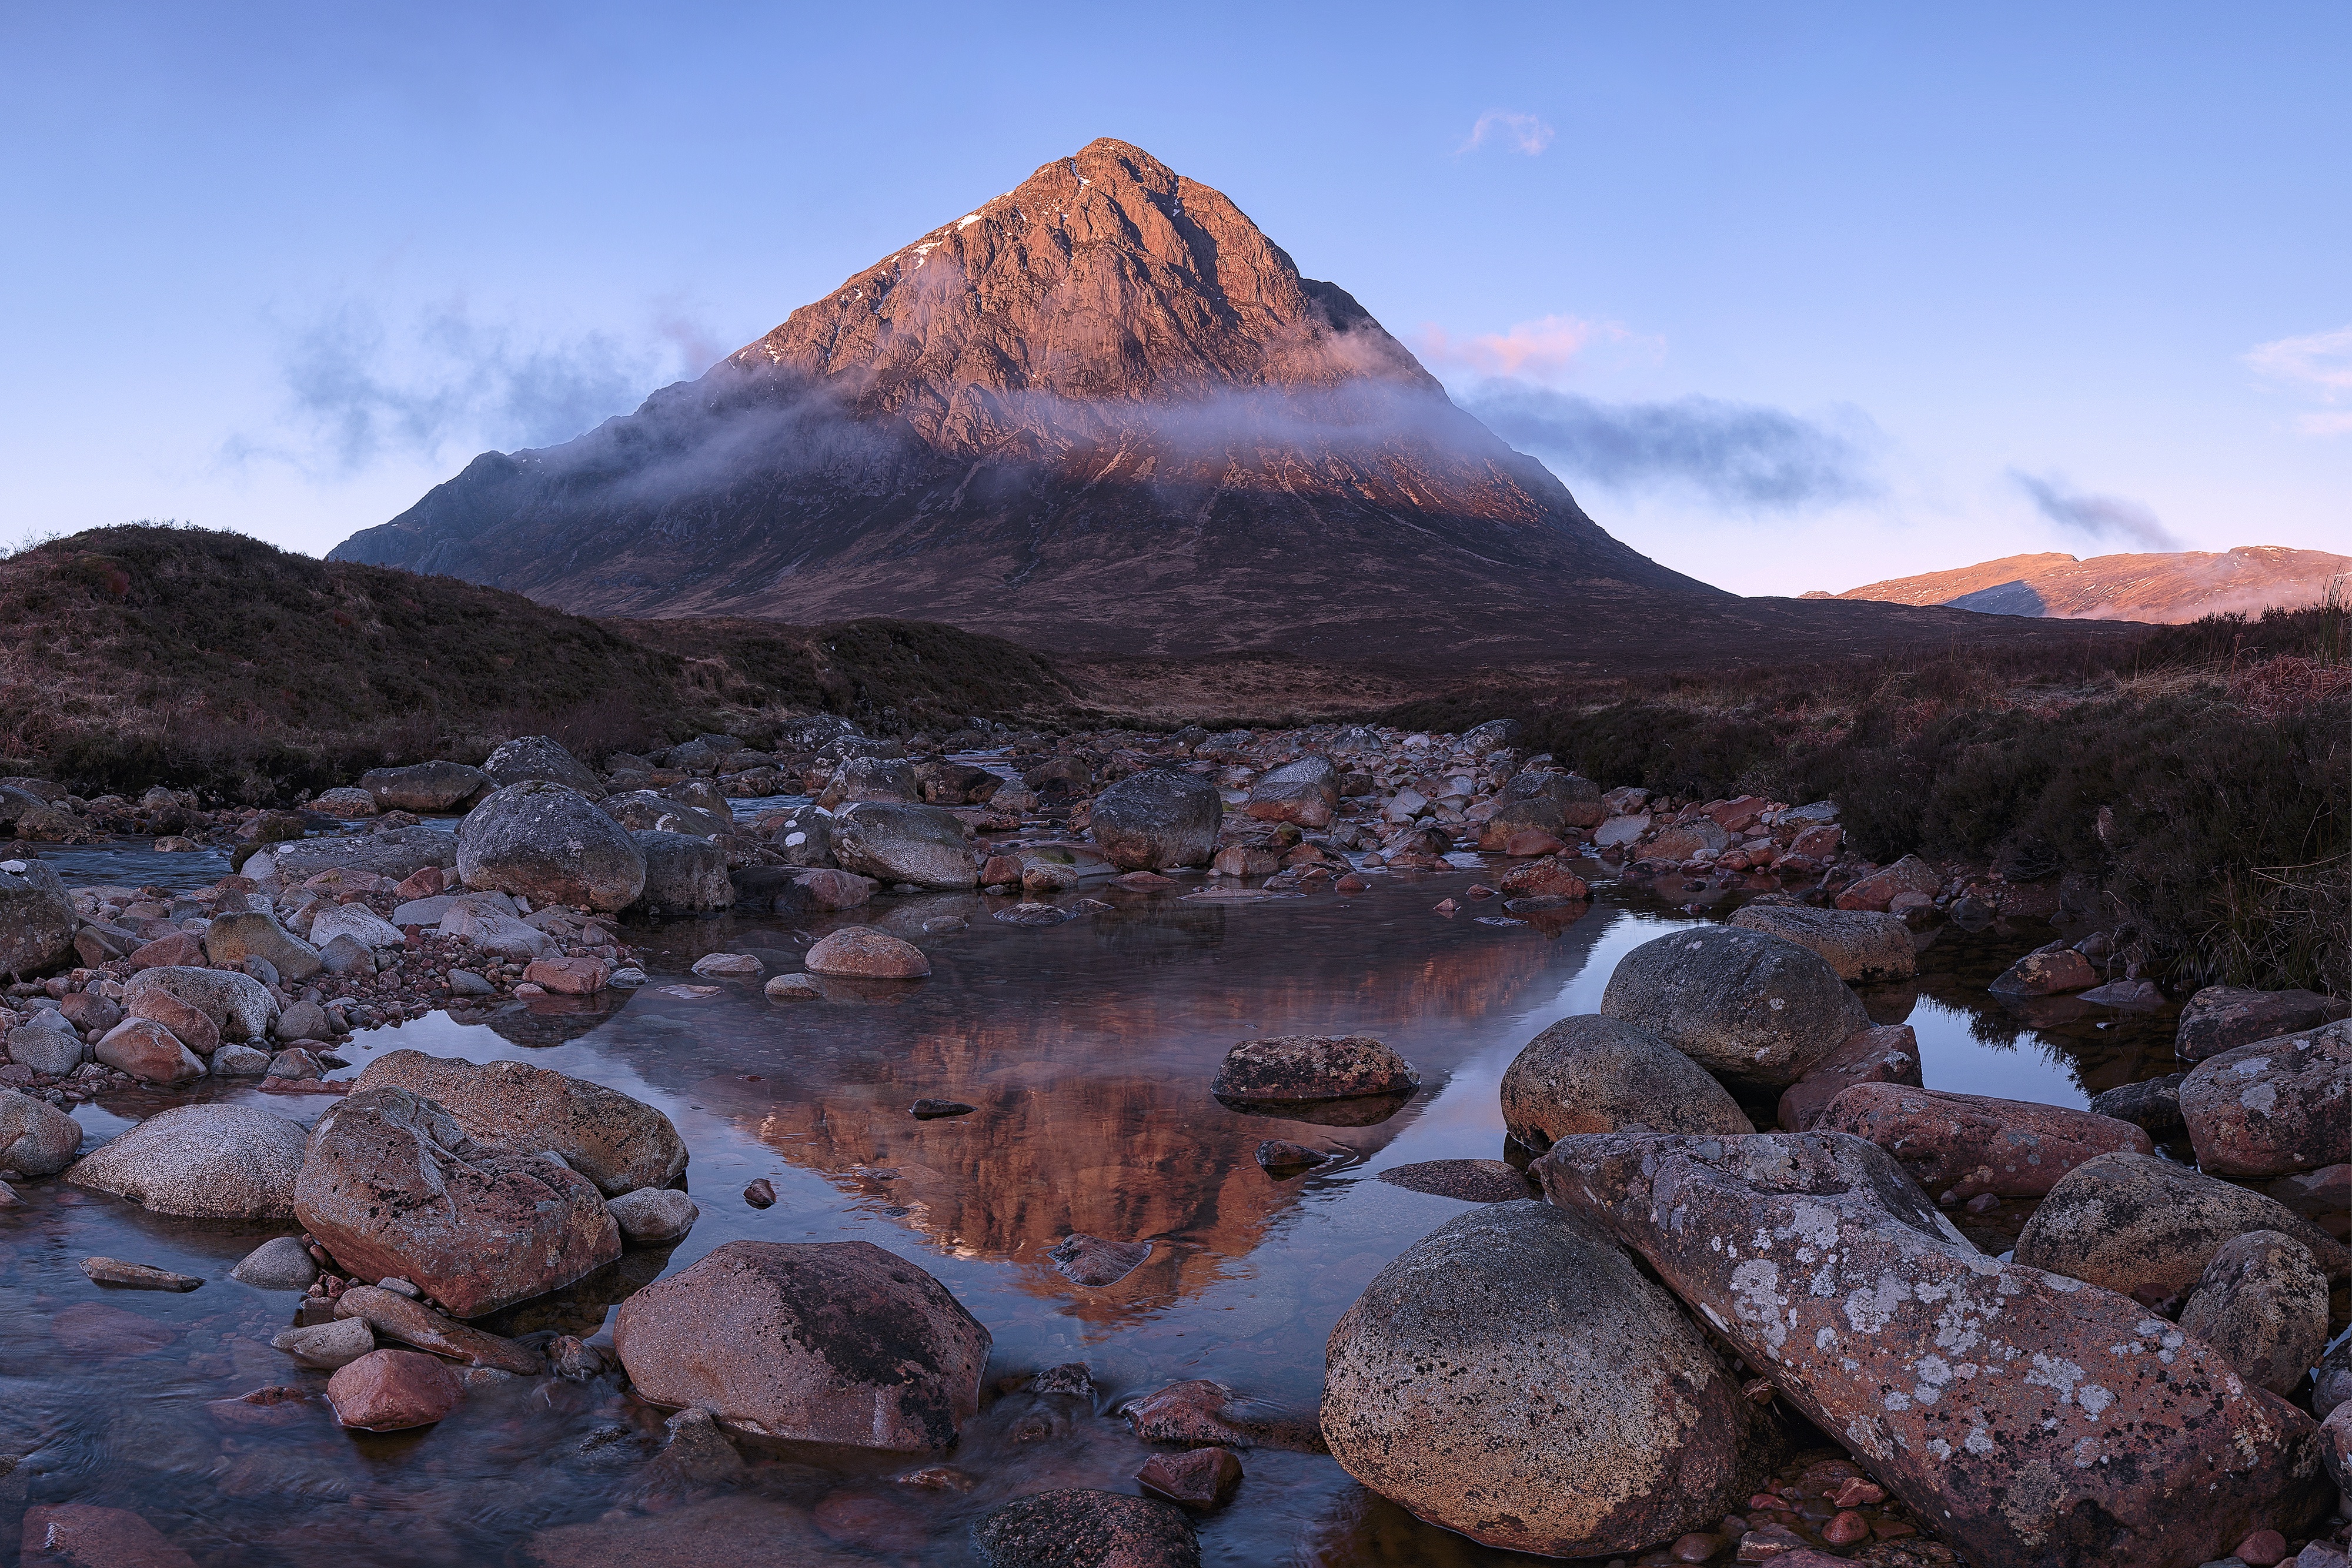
(653, 1215)
(860, 950)
(36, 1137)
(202, 1162)
(1513, 1377)
(1746, 1007)
(36, 918)
(1301, 1068)
(148, 1051)
(51, 1052)
(425, 786)
(393, 1390)
(618, 1142)
(1594, 1074)
(1156, 819)
(549, 843)
(538, 759)
(2262, 1301)
(2273, 1107)
(281, 1263)
(239, 1006)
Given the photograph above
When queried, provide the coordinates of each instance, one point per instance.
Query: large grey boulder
(356, 921)
(2222, 1018)
(1156, 819)
(426, 787)
(253, 934)
(871, 779)
(1513, 1377)
(536, 757)
(683, 872)
(48, 1045)
(1860, 944)
(239, 1006)
(549, 843)
(36, 1137)
(641, 810)
(202, 1162)
(1746, 1007)
(1306, 792)
(1593, 1074)
(36, 919)
(395, 852)
(926, 845)
(2034, 1418)
(801, 837)
(2275, 1107)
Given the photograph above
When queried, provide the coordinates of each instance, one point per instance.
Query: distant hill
(2168, 587)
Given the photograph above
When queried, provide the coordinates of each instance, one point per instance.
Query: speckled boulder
(2275, 1107)
(926, 845)
(239, 1006)
(1859, 944)
(1082, 1528)
(36, 1137)
(2035, 1418)
(425, 786)
(1963, 1144)
(618, 1142)
(831, 1342)
(1512, 1376)
(36, 918)
(683, 872)
(1593, 1074)
(202, 1162)
(535, 757)
(1746, 1007)
(1156, 819)
(549, 843)
(1301, 1068)
(2222, 1018)
(2261, 1302)
(861, 951)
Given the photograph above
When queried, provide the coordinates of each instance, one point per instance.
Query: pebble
(761, 1194)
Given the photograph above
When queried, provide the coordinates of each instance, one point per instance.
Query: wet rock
(398, 1316)
(1295, 1069)
(1959, 1145)
(550, 844)
(760, 1194)
(1550, 877)
(232, 938)
(393, 1390)
(135, 1276)
(860, 950)
(2125, 994)
(2262, 1301)
(2222, 1018)
(820, 1342)
(1878, 890)
(1202, 1480)
(728, 967)
(240, 1061)
(698, 1452)
(36, 918)
(93, 1329)
(1473, 1181)
(2152, 1105)
(824, 890)
(579, 977)
(1306, 792)
(791, 988)
(1859, 944)
(927, 1110)
(2046, 975)
(302, 1021)
(740, 1530)
(201, 1162)
(2146, 1227)
(80, 1535)
(1884, 1053)
(281, 1263)
(2274, 1106)
(1093, 1262)
(36, 1137)
(1594, 1074)
(926, 845)
(653, 1217)
(1157, 819)
(1745, 1006)
(532, 758)
(618, 1142)
(326, 1347)
(239, 1006)
(392, 1185)
(683, 872)
(1283, 1159)
(1032, 914)
(47, 1046)
(2034, 1418)
(426, 787)
(1513, 1377)
(1085, 1528)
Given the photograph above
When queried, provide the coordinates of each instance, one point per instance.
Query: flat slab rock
(1473, 1181)
(618, 1142)
(1299, 1068)
(1093, 1262)
(1959, 1145)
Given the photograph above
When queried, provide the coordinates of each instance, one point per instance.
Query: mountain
(2173, 586)
(1102, 415)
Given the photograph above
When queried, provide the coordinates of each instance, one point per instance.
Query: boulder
(956, 784)
(2051, 973)
(176, 948)
(398, 1317)
(824, 889)
(2262, 1301)
(1883, 1053)
(1593, 1074)
(1157, 819)
(1299, 1068)
(302, 1021)
(1202, 1480)
(394, 853)
(549, 843)
(2034, 1418)
(861, 950)
(1876, 890)
(801, 837)
(832, 1341)
(201, 1162)
(1959, 1145)
(653, 1217)
(2275, 1107)
(536, 758)
(356, 921)
(281, 1263)
(239, 1006)
(391, 1184)
(926, 845)
(1472, 1181)
(1859, 944)
(2146, 1227)
(1493, 734)
(870, 779)
(36, 919)
(148, 1053)
(1306, 792)
(647, 810)
(231, 939)
(683, 872)
(2152, 1105)
(581, 977)
(346, 803)
(1082, 1528)
(1688, 840)
(36, 1137)
(1553, 876)
(619, 1144)
(1513, 1377)
(48, 1045)
(426, 787)
(1747, 1006)
(393, 1390)
(325, 1346)
(2222, 1018)
(238, 1062)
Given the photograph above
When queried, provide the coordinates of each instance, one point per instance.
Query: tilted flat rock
(618, 1142)
(202, 1162)
(926, 845)
(2034, 1418)
(425, 786)
(1884, 1053)
(1964, 1144)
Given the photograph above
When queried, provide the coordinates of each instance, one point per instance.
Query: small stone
(1202, 1480)
(393, 1390)
(240, 1062)
(281, 1263)
(761, 1194)
(728, 967)
(651, 1216)
(135, 1276)
(1093, 1262)
(931, 1110)
(864, 952)
(280, 1406)
(2262, 1548)
(1845, 1529)
(466, 983)
(1283, 1159)
(792, 988)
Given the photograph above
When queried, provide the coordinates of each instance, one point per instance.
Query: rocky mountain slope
(1101, 414)
(2175, 586)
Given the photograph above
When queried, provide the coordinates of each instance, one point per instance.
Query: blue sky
(1791, 297)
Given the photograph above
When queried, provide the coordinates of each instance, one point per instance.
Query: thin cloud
(2096, 517)
(1520, 132)
(2321, 360)
(1742, 455)
(1532, 350)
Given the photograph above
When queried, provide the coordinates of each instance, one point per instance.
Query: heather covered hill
(2162, 586)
